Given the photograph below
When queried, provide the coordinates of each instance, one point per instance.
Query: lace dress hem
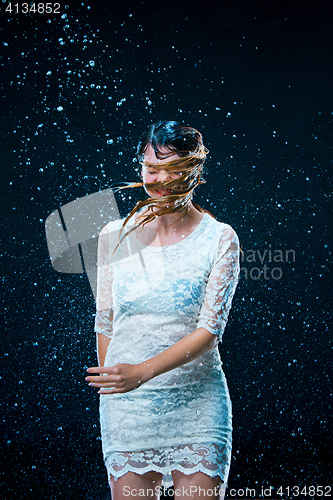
(210, 459)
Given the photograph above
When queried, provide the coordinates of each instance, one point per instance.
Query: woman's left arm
(125, 377)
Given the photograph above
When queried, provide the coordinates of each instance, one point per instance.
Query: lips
(162, 192)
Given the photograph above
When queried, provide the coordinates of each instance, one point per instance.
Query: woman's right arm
(102, 347)
(104, 303)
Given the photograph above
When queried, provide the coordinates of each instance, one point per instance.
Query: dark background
(255, 77)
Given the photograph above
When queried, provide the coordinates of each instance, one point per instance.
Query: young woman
(165, 286)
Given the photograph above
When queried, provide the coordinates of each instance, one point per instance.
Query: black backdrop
(78, 88)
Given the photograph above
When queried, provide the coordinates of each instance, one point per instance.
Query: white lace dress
(147, 300)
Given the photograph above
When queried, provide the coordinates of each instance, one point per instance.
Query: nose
(163, 176)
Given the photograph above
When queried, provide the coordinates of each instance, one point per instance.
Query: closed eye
(157, 171)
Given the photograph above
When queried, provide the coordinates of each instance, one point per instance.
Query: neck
(177, 220)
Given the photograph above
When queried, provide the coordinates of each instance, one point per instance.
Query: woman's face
(158, 174)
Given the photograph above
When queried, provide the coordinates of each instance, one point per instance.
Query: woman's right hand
(123, 377)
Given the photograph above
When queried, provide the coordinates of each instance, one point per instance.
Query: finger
(102, 369)
(107, 380)
(109, 385)
(111, 391)
(104, 378)
(104, 386)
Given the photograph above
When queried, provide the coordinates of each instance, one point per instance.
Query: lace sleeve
(104, 304)
(221, 284)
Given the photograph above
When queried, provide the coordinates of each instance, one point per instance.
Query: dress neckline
(183, 239)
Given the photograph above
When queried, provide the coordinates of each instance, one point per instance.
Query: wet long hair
(168, 138)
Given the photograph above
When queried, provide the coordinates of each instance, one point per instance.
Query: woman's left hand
(123, 377)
